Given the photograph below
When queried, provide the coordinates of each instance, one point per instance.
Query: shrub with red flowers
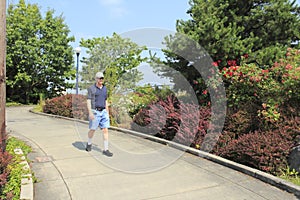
(268, 88)
(70, 105)
(262, 121)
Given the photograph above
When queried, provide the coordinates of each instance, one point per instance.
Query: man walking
(98, 112)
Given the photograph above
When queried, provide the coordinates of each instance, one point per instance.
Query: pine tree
(229, 29)
(226, 31)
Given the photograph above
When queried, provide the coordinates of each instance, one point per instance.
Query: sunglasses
(100, 78)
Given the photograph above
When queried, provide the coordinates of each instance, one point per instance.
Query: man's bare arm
(89, 107)
(106, 106)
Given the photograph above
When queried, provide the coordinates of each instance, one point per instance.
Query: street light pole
(77, 50)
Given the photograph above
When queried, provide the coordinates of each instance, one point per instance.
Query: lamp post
(77, 50)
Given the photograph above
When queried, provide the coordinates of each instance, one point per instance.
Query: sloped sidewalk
(139, 169)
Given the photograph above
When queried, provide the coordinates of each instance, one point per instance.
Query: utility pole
(2, 73)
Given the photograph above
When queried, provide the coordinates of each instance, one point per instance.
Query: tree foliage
(39, 57)
(117, 57)
(229, 29)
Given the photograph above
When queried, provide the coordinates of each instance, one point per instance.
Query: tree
(229, 29)
(117, 57)
(39, 57)
(188, 66)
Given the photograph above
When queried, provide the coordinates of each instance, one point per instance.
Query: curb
(263, 176)
(26, 181)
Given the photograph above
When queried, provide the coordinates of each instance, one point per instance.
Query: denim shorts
(101, 120)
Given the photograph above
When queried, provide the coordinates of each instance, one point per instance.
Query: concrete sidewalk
(139, 169)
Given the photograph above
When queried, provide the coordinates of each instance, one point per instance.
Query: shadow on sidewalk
(81, 146)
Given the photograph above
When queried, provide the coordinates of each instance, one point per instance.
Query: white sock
(89, 141)
(105, 145)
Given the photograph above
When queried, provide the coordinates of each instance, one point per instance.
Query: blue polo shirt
(97, 96)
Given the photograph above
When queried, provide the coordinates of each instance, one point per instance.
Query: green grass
(8, 104)
(40, 105)
(290, 175)
(294, 180)
(38, 108)
(13, 186)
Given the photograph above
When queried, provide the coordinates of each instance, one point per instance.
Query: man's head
(99, 78)
(99, 75)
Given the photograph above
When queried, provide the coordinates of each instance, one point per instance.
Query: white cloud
(118, 12)
(116, 8)
(111, 2)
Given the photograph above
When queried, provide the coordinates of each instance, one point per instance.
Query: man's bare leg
(89, 143)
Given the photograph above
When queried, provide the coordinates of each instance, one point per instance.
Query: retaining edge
(26, 181)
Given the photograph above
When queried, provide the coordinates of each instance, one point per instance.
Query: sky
(98, 18)
(101, 18)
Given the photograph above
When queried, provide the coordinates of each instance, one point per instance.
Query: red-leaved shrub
(237, 123)
(5, 160)
(173, 120)
(157, 116)
(70, 105)
(267, 151)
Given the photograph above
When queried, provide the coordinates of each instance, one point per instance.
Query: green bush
(125, 106)
(145, 95)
